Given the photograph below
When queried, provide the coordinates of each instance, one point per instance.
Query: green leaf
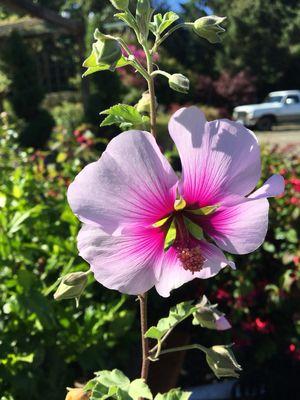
(2, 200)
(92, 66)
(113, 378)
(143, 17)
(170, 237)
(173, 394)
(123, 115)
(194, 229)
(176, 315)
(205, 210)
(139, 389)
(161, 23)
(128, 19)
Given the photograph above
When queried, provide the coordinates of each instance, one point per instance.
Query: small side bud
(209, 28)
(209, 317)
(121, 5)
(222, 362)
(71, 286)
(179, 83)
(143, 105)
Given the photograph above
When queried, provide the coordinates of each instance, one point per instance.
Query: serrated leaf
(139, 389)
(194, 229)
(173, 394)
(121, 114)
(161, 23)
(176, 315)
(170, 237)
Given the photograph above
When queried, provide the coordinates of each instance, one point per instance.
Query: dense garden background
(49, 130)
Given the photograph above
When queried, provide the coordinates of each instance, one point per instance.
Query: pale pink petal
(239, 229)
(128, 263)
(217, 157)
(132, 182)
(173, 275)
(222, 323)
(274, 186)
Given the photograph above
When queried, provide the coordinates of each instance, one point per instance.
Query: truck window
(273, 99)
(292, 99)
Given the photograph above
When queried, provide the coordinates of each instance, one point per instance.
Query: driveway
(282, 135)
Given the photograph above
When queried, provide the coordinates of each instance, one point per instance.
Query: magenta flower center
(183, 223)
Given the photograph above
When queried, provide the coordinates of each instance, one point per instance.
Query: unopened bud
(71, 286)
(143, 105)
(107, 51)
(222, 362)
(209, 28)
(209, 317)
(179, 83)
(77, 394)
(120, 4)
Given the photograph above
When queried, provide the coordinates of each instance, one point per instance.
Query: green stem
(184, 348)
(172, 30)
(160, 72)
(135, 62)
(151, 89)
(145, 344)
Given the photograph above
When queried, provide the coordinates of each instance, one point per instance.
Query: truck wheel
(265, 124)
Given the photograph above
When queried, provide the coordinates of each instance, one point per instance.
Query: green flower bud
(120, 4)
(208, 316)
(143, 105)
(71, 286)
(179, 83)
(106, 51)
(209, 28)
(222, 362)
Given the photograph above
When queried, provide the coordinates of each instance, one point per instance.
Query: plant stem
(145, 344)
(163, 38)
(151, 89)
(183, 348)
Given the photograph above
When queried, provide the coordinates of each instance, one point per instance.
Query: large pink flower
(133, 204)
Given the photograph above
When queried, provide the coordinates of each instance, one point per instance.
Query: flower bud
(121, 5)
(77, 394)
(179, 83)
(209, 317)
(209, 28)
(107, 51)
(71, 286)
(222, 362)
(143, 105)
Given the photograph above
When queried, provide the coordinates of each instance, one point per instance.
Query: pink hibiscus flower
(145, 227)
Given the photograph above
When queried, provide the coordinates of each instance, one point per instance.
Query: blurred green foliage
(47, 345)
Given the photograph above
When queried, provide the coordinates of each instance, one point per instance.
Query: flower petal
(239, 229)
(173, 275)
(274, 186)
(131, 183)
(130, 263)
(217, 157)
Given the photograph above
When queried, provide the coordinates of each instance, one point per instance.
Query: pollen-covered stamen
(191, 258)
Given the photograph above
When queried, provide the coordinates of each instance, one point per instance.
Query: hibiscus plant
(143, 226)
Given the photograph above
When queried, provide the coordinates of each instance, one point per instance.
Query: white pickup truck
(278, 107)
